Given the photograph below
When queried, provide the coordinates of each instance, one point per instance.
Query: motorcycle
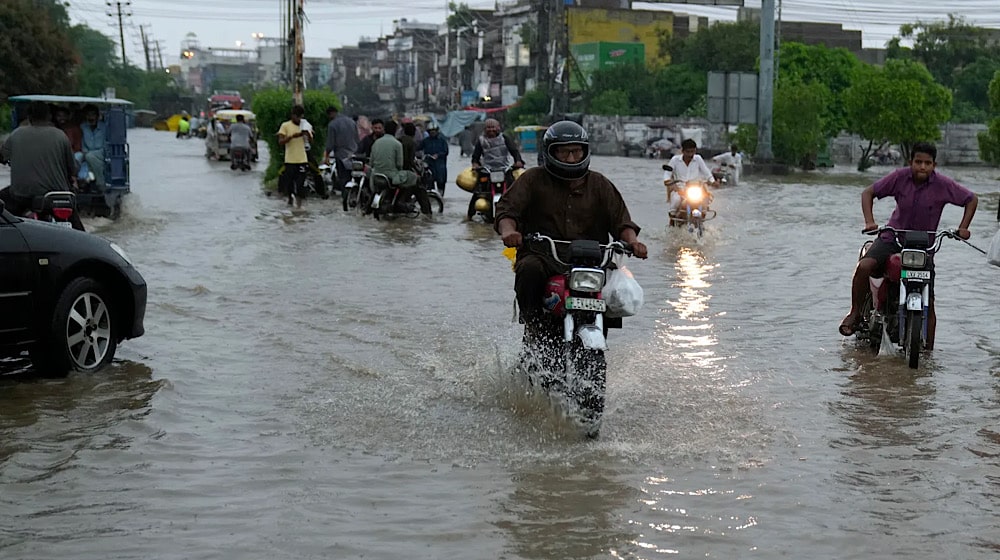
(240, 159)
(896, 304)
(490, 186)
(54, 207)
(573, 329)
(724, 174)
(392, 202)
(694, 210)
(357, 193)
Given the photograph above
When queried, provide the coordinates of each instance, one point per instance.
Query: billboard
(592, 56)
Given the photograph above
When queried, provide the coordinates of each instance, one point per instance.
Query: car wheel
(81, 336)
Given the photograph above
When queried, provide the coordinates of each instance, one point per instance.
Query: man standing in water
(921, 194)
(293, 138)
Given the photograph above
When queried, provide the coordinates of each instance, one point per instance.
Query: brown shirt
(590, 209)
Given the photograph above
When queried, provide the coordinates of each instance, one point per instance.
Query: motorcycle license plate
(916, 274)
(585, 304)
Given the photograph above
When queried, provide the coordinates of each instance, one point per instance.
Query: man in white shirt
(733, 161)
(687, 166)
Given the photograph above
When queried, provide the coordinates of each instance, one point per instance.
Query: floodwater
(320, 385)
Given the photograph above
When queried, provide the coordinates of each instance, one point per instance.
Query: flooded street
(321, 385)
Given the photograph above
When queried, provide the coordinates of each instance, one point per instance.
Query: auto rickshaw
(93, 198)
(217, 141)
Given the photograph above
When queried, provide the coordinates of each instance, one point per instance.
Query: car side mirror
(667, 167)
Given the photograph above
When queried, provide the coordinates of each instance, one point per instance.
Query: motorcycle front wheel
(914, 328)
(436, 201)
(586, 384)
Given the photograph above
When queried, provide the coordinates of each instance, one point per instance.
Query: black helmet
(559, 134)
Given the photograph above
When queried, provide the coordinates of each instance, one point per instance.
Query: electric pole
(121, 26)
(300, 47)
(145, 45)
(765, 84)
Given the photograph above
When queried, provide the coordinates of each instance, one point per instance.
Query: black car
(67, 297)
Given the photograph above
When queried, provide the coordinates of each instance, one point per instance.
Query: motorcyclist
(495, 150)
(731, 160)
(184, 127)
(41, 161)
(387, 159)
(565, 200)
(686, 166)
(435, 149)
(921, 195)
(240, 134)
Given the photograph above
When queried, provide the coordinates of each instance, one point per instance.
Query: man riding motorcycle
(565, 200)
(495, 149)
(41, 161)
(686, 166)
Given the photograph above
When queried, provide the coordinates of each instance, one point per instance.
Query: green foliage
(532, 108)
(274, 106)
(798, 122)
(610, 102)
(961, 56)
(989, 139)
(745, 137)
(723, 47)
(459, 15)
(697, 109)
(668, 91)
(362, 97)
(35, 49)
(900, 103)
(835, 69)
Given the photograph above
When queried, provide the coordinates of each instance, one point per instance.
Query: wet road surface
(315, 385)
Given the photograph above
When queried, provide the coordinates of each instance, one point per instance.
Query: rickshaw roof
(71, 99)
(231, 114)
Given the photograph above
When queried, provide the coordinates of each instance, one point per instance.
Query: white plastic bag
(993, 255)
(622, 293)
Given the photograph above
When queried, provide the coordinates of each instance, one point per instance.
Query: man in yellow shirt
(293, 138)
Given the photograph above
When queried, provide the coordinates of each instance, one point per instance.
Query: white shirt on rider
(727, 158)
(697, 170)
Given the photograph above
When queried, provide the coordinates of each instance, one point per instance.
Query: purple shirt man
(919, 206)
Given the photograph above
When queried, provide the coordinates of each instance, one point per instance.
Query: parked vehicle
(573, 364)
(896, 305)
(357, 193)
(92, 198)
(69, 297)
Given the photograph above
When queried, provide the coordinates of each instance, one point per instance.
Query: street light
(239, 44)
(257, 35)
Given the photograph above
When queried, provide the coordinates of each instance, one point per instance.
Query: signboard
(732, 97)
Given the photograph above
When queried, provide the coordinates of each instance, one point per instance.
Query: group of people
(51, 151)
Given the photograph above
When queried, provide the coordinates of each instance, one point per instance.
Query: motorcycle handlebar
(610, 249)
(938, 235)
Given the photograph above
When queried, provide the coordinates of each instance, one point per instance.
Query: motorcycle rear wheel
(436, 200)
(872, 327)
(914, 329)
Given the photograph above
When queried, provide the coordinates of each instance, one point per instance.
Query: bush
(273, 107)
(612, 102)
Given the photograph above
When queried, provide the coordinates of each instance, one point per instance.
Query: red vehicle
(224, 100)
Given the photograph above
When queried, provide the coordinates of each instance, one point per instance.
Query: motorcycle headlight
(586, 280)
(497, 176)
(694, 194)
(914, 259)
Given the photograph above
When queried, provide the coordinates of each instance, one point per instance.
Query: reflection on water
(564, 510)
(691, 335)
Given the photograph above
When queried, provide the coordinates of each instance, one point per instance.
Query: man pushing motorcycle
(565, 200)
(921, 195)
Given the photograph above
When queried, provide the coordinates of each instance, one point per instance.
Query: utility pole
(145, 45)
(121, 25)
(300, 47)
(159, 56)
(765, 84)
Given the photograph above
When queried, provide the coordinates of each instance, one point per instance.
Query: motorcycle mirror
(667, 167)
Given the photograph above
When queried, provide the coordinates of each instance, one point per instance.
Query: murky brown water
(325, 386)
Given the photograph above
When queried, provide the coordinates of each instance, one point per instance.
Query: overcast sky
(336, 23)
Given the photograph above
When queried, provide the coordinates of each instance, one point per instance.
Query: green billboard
(588, 57)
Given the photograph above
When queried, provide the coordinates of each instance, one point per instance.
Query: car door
(15, 284)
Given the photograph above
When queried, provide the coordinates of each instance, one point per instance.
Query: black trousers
(293, 179)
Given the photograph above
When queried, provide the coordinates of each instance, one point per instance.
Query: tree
(668, 91)
(612, 102)
(798, 122)
(989, 140)
(35, 48)
(834, 69)
(900, 103)
(959, 55)
(723, 47)
(532, 108)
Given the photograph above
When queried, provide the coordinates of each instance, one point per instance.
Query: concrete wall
(959, 145)
(610, 135)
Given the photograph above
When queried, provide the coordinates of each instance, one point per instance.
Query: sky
(336, 23)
